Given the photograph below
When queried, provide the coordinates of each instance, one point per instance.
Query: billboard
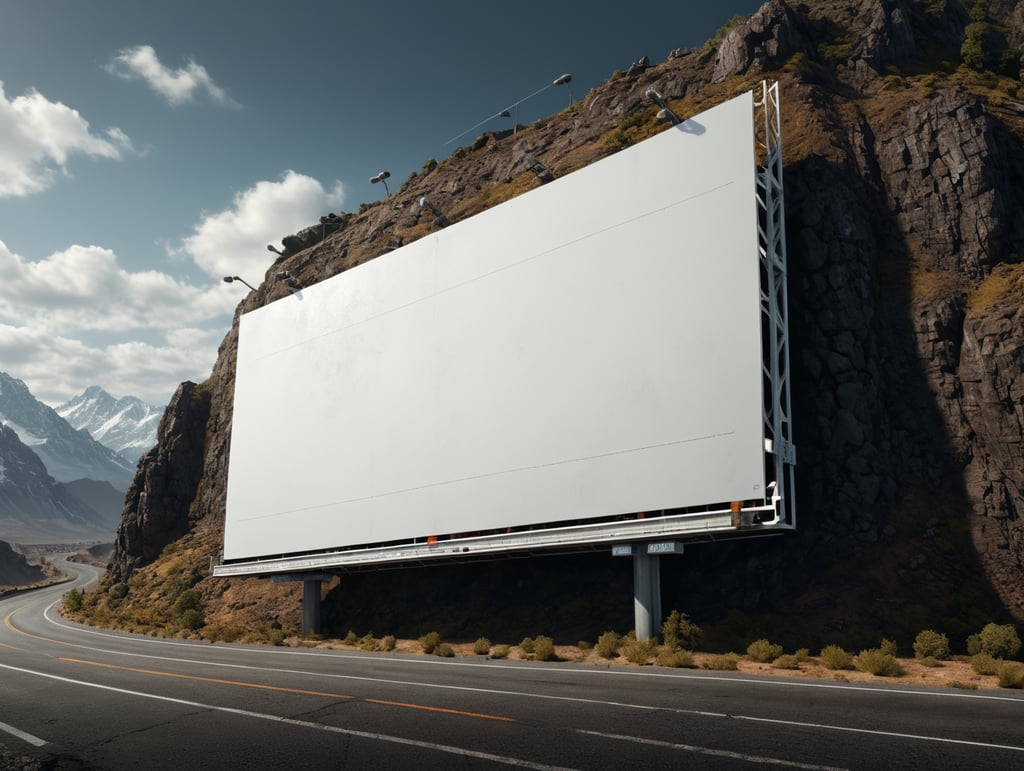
(590, 349)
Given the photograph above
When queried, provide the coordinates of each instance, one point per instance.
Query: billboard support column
(311, 583)
(311, 606)
(646, 591)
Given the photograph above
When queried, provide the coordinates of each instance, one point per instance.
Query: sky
(149, 149)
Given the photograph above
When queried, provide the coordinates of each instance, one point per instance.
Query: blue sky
(149, 149)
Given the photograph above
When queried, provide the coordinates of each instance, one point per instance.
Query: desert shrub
(368, 642)
(888, 647)
(984, 664)
(430, 641)
(544, 648)
(223, 633)
(638, 651)
(500, 652)
(526, 645)
(444, 649)
(190, 619)
(762, 650)
(876, 661)
(482, 646)
(802, 655)
(73, 601)
(189, 599)
(727, 662)
(351, 638)
(931, 644)
(388, 642)
(929, 661)
(1010, 674)
(584, 645)
(118, 591)
(679, 631)
(786, 661)
(608, 645)
(997, 640)
(429, 165)
(678, 659)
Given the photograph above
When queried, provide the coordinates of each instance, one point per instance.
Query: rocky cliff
(904, 160)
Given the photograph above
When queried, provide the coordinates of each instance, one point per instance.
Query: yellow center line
(441, 709)
(12, 647)
(10, 625)
(208, 679)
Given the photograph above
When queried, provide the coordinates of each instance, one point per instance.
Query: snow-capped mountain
(66, 453)
(127, 425)
(34, 506)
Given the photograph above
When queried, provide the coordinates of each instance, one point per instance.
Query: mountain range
(126, 425)
(57, 482)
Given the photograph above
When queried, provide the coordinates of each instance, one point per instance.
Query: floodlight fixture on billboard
(602, 360)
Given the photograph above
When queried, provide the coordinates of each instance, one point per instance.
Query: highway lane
(94, 698)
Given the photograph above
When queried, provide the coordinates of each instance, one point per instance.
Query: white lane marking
(562, 698)
(519, 762)
(35, 741)
(873, 732)
(716, 753)
(576, 699)
(432, 661)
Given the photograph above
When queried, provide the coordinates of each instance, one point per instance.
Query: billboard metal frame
(770, 515)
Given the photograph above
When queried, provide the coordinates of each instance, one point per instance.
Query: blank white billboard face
(590, 348)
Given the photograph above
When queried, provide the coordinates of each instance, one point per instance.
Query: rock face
(14, 568)
(905, 231)
(158, 503)
(34, 506)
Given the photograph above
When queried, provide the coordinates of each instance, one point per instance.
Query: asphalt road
(76, 697)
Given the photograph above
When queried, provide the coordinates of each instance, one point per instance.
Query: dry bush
(608, 645)
(677, 659)
(728, 662)
(544, 648)
(763, 651)
(876, 661)
(430, 641)
(931, 644)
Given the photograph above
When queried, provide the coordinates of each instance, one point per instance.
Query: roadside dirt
(954, 673)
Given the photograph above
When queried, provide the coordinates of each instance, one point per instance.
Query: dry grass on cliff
(1004, 285)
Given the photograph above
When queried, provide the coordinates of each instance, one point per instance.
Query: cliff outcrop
(158, 504)
(903, 174)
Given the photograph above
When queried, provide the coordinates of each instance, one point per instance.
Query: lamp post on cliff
(231, 279)
(513, 109)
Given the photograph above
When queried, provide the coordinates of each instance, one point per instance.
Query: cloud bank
(78, 317)
(37, 137)
(234, 242)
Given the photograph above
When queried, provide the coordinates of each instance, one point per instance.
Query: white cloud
(234, 242)
(57, 368)
(176, 86)
(38, 136)
(76, 318)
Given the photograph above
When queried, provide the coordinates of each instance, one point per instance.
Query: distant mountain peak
(127, 425)
(66, 452)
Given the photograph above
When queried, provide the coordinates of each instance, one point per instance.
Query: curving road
(75, 697)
